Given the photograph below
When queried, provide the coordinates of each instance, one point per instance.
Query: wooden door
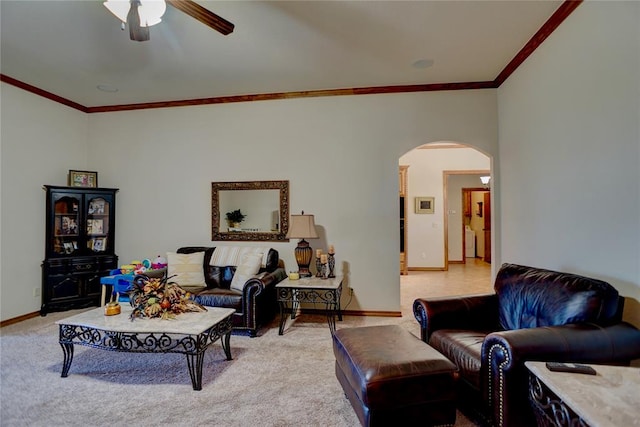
(404, 268)
(487, 226)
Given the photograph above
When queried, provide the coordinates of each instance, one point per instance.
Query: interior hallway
(473, 277)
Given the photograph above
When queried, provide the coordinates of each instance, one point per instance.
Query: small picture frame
(424, 205)
(69, 226)
(96, 207)
(82, 178)
(99, 244)
(68, 247)
(94, 226)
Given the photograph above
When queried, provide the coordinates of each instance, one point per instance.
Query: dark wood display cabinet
(80, 249)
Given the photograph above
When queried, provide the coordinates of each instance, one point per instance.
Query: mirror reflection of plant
(235, 216)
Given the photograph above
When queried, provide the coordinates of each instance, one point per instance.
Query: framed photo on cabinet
(82, 178)
(99, 244)
(424, 205)
(94, 226)
(96, 207)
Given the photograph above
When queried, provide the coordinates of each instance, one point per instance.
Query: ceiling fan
(139, 15)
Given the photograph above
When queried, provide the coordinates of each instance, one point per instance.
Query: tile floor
(473, 277)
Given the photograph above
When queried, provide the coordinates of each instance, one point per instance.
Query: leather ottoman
(391, 377)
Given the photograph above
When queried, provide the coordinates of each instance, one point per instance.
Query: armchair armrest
(256, 285)
(504, 354)
(259, 298)
(475, 312)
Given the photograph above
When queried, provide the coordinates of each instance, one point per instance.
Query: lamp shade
(302, 227)
(150, 11)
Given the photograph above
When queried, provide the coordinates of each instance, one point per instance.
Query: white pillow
(249, 267)
(188, 269)
(224, 256)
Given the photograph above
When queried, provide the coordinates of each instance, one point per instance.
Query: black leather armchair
(535, 314)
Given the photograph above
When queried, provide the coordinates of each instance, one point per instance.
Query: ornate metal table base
(310, 290)
(551, 411)
(191, 345)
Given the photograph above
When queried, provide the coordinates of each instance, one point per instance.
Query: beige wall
(570, 144)
(566, 180)
(340, 155)
(40, 141)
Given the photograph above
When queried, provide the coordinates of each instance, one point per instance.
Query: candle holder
(324, 271)
(318, 267)
(332, 265)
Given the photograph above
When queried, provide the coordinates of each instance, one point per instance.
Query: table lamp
(302, 227)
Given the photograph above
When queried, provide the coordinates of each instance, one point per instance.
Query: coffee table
(189, 334)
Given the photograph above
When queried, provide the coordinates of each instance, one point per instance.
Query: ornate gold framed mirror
(261, 206)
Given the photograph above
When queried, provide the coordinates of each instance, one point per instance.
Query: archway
(429, 166)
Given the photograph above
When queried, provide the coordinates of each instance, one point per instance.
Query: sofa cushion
(249, 267)
(532, 297)
(186, 269)
(464, 349)
(218, 297)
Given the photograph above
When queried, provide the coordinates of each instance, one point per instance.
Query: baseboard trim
(374, 313)
(427, 269)
(356, 312)
(19, 319)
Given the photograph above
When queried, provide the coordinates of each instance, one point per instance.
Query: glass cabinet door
(66, 223)
(97, 225)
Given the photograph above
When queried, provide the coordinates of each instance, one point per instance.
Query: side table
(310, 290)
(609, 398)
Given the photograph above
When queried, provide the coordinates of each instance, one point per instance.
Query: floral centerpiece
(160, 298)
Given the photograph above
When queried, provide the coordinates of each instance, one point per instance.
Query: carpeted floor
(274, 380)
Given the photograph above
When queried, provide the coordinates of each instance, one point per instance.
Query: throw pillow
(186, 269)
(249, 267)
(224, 256)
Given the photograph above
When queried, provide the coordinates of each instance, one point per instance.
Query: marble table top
(312, 283)
(610, 398)
(191, 323)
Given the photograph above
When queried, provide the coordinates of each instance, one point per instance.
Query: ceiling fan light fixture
(150, 11)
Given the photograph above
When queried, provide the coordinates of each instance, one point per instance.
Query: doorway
(431, 175)
(476, 224)
(466, 210)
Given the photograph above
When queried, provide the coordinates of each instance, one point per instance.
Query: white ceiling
(68, 48)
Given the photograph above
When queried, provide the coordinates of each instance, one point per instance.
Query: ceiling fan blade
(203, 15)
(136, 31)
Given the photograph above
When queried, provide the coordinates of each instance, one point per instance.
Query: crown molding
(565, 9)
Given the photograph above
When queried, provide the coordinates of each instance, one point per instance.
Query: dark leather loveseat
(535, 314)
(256, 305)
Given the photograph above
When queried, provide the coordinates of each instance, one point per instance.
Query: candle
(294, 276)
(331, 250)
(323, 259)
(318, 253)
